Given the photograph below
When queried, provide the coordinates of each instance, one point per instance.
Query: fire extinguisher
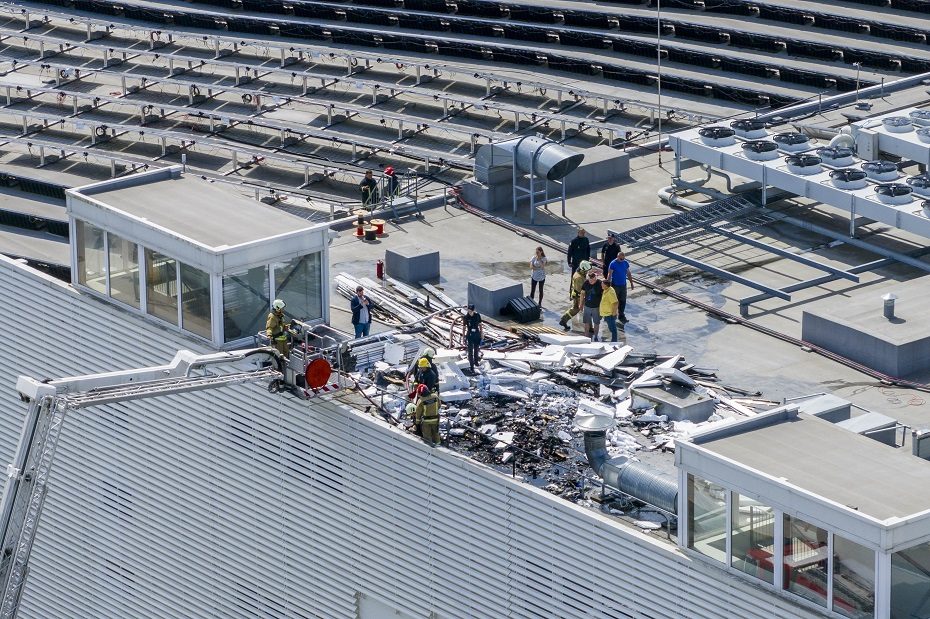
(379, 269)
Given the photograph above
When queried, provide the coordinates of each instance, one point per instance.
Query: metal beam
(742, 238)
(739, 279)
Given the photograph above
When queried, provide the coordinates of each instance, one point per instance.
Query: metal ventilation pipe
(632, 478)
(545, 158)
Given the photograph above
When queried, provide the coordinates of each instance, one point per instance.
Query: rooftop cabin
(852, 514)
(199, 257)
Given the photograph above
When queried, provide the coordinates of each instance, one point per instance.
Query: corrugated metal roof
(239, 503)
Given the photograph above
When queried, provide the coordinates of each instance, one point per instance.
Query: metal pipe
(631, 478)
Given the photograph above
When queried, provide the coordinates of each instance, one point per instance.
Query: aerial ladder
(50, 401)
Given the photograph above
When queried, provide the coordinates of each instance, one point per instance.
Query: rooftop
(827, 460)
(217, 217)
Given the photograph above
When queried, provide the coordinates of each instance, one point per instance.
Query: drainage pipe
(632, 478)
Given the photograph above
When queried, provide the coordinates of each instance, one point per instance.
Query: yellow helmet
(423, 362)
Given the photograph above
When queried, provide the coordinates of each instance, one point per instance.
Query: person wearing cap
(276, 327)
(578, 278)
(369, 189)
(426, 415)
(608, 252)
(474, 331)
(579, 249)
(361, 312)
(392, 182)
(591, 290)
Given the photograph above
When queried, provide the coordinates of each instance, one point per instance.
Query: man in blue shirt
(618, 272)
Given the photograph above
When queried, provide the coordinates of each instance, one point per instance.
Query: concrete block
(492, 293)
(857, 330)
(411, 264)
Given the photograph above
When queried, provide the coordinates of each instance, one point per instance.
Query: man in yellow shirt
(609, 307)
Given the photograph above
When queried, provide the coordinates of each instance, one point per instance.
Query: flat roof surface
(864, 311)
(39, 246)
(214, 215)
(836, 464)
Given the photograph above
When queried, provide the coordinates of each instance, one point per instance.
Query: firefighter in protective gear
(577, 298)
(410, 410)
(426, 415)
(426, 374)
(276, 327)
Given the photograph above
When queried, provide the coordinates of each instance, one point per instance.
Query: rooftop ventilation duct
(632, 478)
(836, 156)
(760, 150)
(540, 156)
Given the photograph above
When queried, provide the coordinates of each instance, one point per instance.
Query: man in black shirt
(591, 289)
(609, 251)
(474, 331)
(579, 249)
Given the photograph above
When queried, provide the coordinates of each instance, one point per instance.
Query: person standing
(592, 303)
(276, 328)
(392, 182)
(579, 249)
(369, 189)
(426, 375)
(361, 313)
(538, 273)
(576, 296)
(609, 307)
(609, 252)
(618, 272)
(474, 331)
(426, 415)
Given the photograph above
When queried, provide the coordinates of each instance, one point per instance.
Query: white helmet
(429, 353)
(411, 408)
(277, 305)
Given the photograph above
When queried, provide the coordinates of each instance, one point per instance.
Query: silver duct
(632, 478)
(544, 158)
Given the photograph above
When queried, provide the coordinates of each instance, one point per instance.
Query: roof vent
(920, 117)
(792, 142)
(749, 128)
(760, 150)
(849, 178)
(803, 164)
(897, 124)
(882, 171)
(894, 194)
(836, 156)
(717, 136)
(920, 184)
(923, 134)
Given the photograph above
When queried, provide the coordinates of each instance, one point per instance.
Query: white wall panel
(238, 503)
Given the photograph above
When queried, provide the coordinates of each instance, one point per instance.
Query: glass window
(299, 284)
(806, 558)
(161, 286)
(853, 579)
(245, 303)
(124, 270)
(752, 542)
(910, 583)
(91, 257)
(195, 301)
(707, 521)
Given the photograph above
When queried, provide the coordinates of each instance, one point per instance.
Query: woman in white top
(538, 273)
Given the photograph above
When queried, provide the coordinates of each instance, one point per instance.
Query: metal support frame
(520, 193)
(721, 272)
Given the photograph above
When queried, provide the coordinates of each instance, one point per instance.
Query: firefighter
(426, 375)
(578, 279)
(426, 415)
(276, 327)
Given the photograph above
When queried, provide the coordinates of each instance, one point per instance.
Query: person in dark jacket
(579, 249)
(361, 313)
(609, 251)
(369, 189)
